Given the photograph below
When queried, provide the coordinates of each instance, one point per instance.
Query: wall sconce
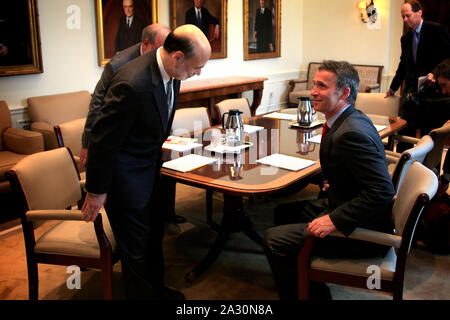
(368, 11)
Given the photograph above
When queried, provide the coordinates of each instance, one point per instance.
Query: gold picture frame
(20, 43)
(182, 12)
(269, 44)
(107, 16)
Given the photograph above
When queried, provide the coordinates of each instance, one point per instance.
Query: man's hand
(92, 205)
(83, 157)
(321, 227)
(216, 32)
(270, 47)
(389, 93)
(325, 186)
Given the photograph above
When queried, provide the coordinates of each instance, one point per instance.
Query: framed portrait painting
(20, 42)
(262, 25)
(120, 24)
(209, 15)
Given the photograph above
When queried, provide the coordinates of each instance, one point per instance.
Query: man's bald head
(153, 36)
(186, 52)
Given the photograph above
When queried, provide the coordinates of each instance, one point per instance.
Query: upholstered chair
(49, 186)
(15, 144)
(50, 110)
(241, 104)
(419, 186)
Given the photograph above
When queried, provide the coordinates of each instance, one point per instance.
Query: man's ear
(345, 93)
(178, 57)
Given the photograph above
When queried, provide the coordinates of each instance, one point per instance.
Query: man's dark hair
(415, 5)
(442, 70)
(346, 76)
(179, 43)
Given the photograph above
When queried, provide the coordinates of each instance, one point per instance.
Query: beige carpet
(240, 272)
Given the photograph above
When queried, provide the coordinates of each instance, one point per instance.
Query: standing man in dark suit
(125, 155)
(200, 17)
(263, 28)
(424, 46)
(130, 27)
(153, 37)
(357, 186)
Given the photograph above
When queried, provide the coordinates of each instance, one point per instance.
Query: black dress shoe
(176, 219)
(169, 293)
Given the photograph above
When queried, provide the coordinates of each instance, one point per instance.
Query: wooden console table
(208, 92)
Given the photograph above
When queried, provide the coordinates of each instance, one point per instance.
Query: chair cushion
(7, 160)
(358, 267)
(74, 238)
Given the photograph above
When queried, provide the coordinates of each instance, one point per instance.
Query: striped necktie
(169, 95)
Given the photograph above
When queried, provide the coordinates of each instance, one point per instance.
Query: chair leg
(107, 279)
(33, 281)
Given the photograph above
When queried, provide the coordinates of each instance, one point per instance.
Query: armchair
(398, 163)
(50, 110)
(419, 186)
(48, 183)
(15, 144)
(68, 134)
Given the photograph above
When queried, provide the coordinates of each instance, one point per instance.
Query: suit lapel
(327, 141)
(159, 93)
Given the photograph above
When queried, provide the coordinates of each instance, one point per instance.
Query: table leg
(234, 219)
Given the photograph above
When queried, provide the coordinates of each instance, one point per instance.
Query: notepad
(180, 144)
(281, 116)
(379, 127)
(315, 139)
(286, 162)
(251, 129)
(227, 149)
(188, 163)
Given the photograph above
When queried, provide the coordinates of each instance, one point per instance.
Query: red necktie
(324, 131)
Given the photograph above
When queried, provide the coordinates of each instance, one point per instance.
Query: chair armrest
(372, 236)
(23, 141)
(35, 215)
(406, 139)
(48, 133)
(392, 157)
(372, 87)
(295, 82)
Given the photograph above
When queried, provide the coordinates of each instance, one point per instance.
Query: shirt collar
(331, 121)
(164, 75)
(419, 28)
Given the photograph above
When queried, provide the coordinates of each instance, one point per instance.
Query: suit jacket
(127, 136)
(433, 48)
(128, 36)
(263, 27)
(207, 19)
(118, 60)
(353, 161)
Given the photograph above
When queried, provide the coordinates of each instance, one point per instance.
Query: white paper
(188, 163)
(286, 162)
(227, 149)
(251, 129)
(282, 116)
(380, 127)
(181, 144)
(315, 139)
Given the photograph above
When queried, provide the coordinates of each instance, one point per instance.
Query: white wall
(311, 30)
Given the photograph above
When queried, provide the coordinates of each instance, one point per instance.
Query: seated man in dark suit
(357, 186)
(200, 17)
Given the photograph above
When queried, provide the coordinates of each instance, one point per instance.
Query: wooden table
(240, 175)
(208, 92)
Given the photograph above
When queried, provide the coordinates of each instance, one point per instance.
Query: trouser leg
(139, 234)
